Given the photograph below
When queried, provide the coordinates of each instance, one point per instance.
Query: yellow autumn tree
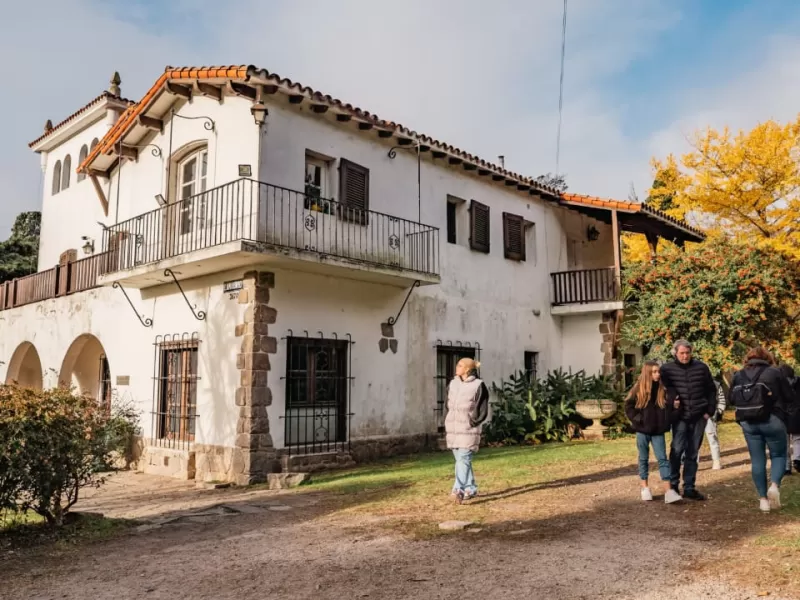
(746, 185)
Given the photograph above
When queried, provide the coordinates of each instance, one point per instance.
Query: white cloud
(481, 75)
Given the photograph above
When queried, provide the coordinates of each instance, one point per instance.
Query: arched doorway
(85, 369)
(25, 367)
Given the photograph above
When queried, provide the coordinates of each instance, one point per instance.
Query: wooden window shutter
(353, 191)
(513, 237)
(479, 227)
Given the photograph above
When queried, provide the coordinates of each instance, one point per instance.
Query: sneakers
(458, 497)
(469, 495)
(716, 465)
(693, 495)
(672, 496)
(763, 505)
(647, 495)
(774, 497)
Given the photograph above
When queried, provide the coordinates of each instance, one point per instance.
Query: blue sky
(641, 74)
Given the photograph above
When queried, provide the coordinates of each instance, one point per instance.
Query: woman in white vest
(467, 409)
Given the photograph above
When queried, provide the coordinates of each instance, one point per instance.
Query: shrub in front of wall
(53, 444)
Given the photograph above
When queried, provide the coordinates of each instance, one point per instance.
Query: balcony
(247, 222)
(61, 280)
(586, 291)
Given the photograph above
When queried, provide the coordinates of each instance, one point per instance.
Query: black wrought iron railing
(584, 287)
(260, 212)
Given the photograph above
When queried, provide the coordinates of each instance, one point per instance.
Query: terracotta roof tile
(77, 113)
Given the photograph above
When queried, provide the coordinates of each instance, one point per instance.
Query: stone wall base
(168, 462)
(371, 449)
(214, 463)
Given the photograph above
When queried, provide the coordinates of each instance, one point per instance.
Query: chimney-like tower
(114, 87)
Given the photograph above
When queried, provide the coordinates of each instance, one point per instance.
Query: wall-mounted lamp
(88, 245)
(592, 234)
(161, 200)
(259, 112)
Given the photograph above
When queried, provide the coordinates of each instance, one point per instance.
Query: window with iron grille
(176, 385)
(104, 383)
(316, 392)
(479, 222)
(513, 237)
(446, 359)
(532, 365)
(353, 191)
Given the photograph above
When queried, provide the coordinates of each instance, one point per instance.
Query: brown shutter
(353, 191)
(479, 227)
(513, 237)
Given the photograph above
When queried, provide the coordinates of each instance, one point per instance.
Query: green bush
(543, 410)
(53, 443)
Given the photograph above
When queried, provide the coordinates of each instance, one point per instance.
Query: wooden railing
(61, 280)
(584, 287)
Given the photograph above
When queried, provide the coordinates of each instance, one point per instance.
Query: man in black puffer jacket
(690, 381)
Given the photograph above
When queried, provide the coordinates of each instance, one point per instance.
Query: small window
(354, 191)
(316, 185)
(513, 237)
(451, 223)
(177, 391)
(56, 178)
(479, 222)
(82, 157)
(66, 172)
(532, 366)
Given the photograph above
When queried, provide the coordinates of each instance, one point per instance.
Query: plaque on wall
(245, 171)
(123, 379)
(232, 288)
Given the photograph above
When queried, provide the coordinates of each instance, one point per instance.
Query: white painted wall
(581, 343)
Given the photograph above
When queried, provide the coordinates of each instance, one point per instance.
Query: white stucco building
(263, 271)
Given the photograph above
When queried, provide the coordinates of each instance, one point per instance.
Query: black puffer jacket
(693, 385)
(772, 377)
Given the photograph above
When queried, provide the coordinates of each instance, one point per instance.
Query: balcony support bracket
(393, 320)
(198, 314)
(144, 321)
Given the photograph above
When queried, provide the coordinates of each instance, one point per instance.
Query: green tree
(19, 253)
(721, 296)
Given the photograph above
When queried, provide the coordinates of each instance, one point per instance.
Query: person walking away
(690, 381)
(711, 429)
(467, 409)
(793, 452)
(651, 414)
(761, 396)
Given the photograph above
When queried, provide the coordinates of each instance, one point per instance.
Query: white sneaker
(647, 495)
(763, 504)
(774, 496)
(672, 496)
(716, 465)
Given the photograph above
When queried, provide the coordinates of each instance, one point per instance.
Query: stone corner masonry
(255, 456)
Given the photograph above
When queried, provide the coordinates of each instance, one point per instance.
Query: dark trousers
(687, 436)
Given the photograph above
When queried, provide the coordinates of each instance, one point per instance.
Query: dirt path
(249, 544)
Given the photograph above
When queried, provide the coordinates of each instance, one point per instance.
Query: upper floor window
(66, 172)
(456, 215)
(317, 183)
(56, 178)
(513, 237)
(192, 175)
(354, 191)
(479, 222)
(82, 157)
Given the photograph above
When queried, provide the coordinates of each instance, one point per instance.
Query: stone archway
(85, 369)
(25, 367)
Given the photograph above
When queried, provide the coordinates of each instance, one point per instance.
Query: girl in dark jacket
(651, 415)
(761, 383)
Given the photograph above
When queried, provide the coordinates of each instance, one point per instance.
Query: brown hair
(759, 353)
(644, 386)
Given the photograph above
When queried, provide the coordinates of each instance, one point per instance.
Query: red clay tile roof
(78, 113)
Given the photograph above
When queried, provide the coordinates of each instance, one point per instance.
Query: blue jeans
(643, 442)
(686, 439)
(759, 437)
(465, 478)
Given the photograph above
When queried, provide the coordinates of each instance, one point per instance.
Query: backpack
(752, 400)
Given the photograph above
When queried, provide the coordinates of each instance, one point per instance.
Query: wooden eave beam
(296, 99)
(523, 187)
(151, 123)
(405, 141)
(424, 148)
(470, 167)
(242, 90)
(269, 89)
(382, 133)
(438, 154)
(319, 108)
(363, 126)
(483, 172)
(497, 177)
(510, 183)
(343, 118)
(99, 191)
(211, 91)
(129, 152)
(179, 90)
(454, 160)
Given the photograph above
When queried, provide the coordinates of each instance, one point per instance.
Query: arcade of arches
(25, 367)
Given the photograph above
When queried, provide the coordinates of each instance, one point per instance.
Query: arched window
(65, 173)
(93, 144)
(192, 172)
(82, 157)
(56, 178)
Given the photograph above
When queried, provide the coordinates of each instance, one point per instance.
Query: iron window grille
(317, 396)
(104, 384)
(175, 380)
(531, 366)
(447, 356)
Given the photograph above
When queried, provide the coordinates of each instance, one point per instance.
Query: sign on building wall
(123, 379)
(232, 288)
